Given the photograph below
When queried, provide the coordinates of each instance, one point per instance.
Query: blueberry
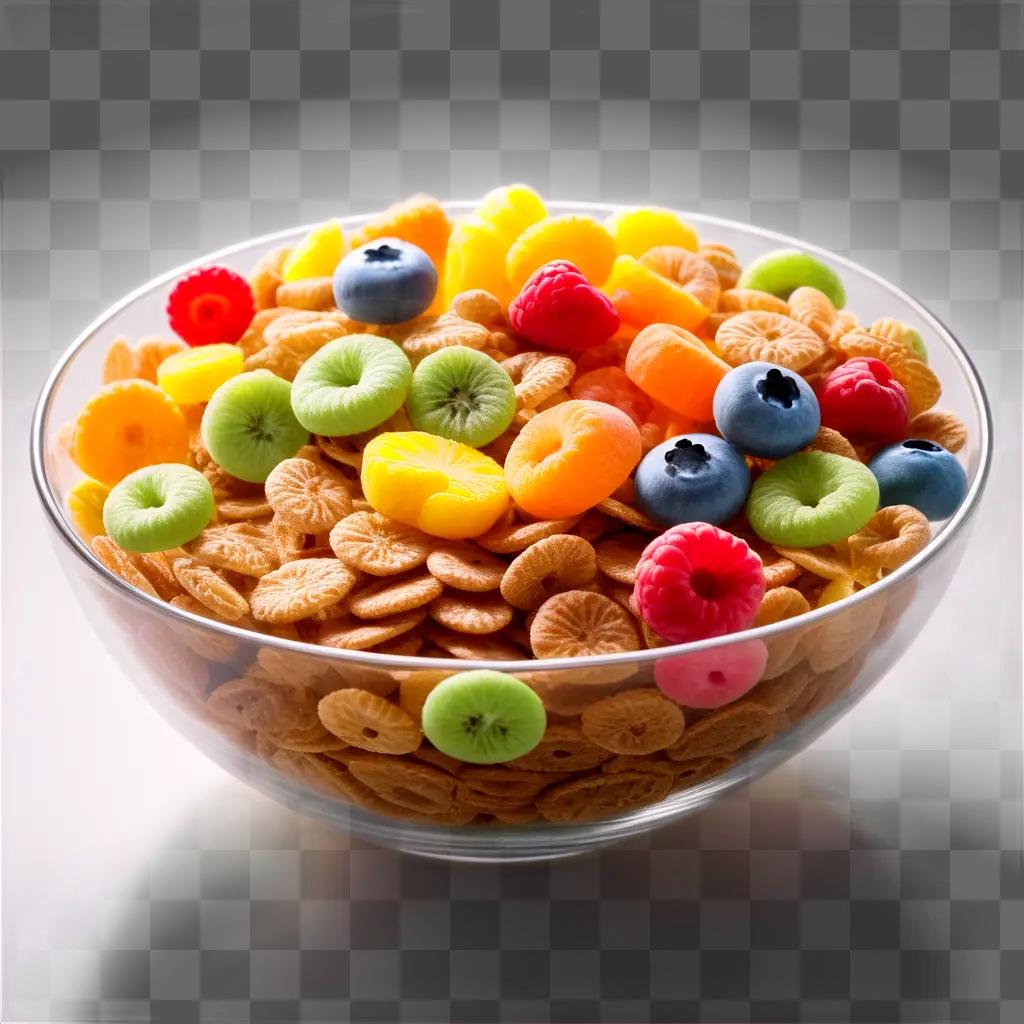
(690, 479)
(766, 410)
(385, 281)
(922, 474)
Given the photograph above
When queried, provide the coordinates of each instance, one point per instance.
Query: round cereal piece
(480, 307)
(157, 569)
(364, 720)
(940, 427)
(121, 565)
(691, 271)
(780, 603)
(724, 262)
(823, 561)
(563, 748)
(578, 623)
(476, 615)
(893, 535)
(244, 509)
(510, 540)
(639, 721)
(760, 336)
(494, 788)
(307, 739)
(436, 333)
(782, 691)
(598, 796)
(210, 589)
(474, 648)
(405, 783)
(653, 763)
(829, 440)
(406, 645)
(346, 451)
(378, 545)
(286, 542)
(814, 309)
(207, 644)
(726, 730)
(618, 555)
(465, 566)
(554, 564)
(627, 514)
(120, 362)
(837, 639)
(300, 588)
(254, 702)
(307, 496)
(689, 773)
(361, 636)
(241, 548)
(745, 300)
(313, 293)
(516, 816)
(541, 380)
(778, 571)
(387, 596)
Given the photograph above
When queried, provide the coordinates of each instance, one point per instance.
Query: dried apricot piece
(579, 623)
(639, 721)
(420, 219)
(554, 564)
(758, 336)
(125, 426)
(378, 545)
(300, 588)
(364, 720)
(307, 496)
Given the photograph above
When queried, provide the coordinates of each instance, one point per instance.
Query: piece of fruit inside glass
(509, 436)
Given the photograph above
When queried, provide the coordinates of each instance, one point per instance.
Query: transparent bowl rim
(411, 663)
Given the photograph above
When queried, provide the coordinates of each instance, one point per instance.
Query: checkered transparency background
(878, 876)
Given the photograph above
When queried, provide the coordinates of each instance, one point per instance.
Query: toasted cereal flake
(157, 569)
(307, 496)
(743, 300)
(940, 427)
(266, 276)
(240, 547)
(379, 545)
(474, 648)
(578, 623)
(617, 556)
(516, 816)
(496, 788)
(627, 514)
(781, 692)
(655, 763)
(563, 748)
(597, 796)
(447, 329)
(476, 614)
(465, 567)
(300, 588)
(253, 702)
(291, 339)
(724, 262)
(405, 783)
(768, 337)
(690, 270)
(838, 638)
(814, 309)
(242, 509)
(309, 739)
(551, 565)
(389, 596)
(210, 589)
(543, 379)
(892, 536)
(509, 540)
(206, 643)
(151, 352)
(697, 769)
(364, 720)
(725, 730)
(822, 561)
(355, 635)
(315, 293)
(406, 645)
(780, 603)
(118, 562)
(640, 721)
(480, 307)
(831, 441)
(120, 362)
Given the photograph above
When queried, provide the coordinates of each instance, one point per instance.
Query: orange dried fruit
(125, 426)
(639, 721)
(420, 219)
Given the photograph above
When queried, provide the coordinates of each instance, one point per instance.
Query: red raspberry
(559, 309)
(210, 305)
(697, 581)
(861, 398)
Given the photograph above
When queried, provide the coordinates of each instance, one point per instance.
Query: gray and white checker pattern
(878, 877)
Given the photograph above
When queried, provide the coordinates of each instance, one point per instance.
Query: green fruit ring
(812, 498)
(158, 507)
(351, 385)
(782, 271)
(483, 717)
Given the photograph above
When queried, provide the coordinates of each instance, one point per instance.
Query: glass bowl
(818, 665)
